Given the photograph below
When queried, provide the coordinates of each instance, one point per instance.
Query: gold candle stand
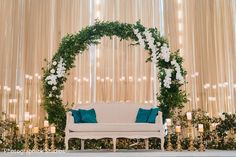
(35, 143)
(169, 145)
(46, 139)
(179, 147)
(26, 145)
(201, 147)
(53, 144)
(191, 146)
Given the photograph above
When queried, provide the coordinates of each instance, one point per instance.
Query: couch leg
(66, 143)
(114, 144)
(82, 144)
(162, 143)
(146, 144)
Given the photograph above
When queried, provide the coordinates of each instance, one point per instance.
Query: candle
(36, 130)
(53, 129)
(27, 116)
(189, 115)
(30, 126)
(178, 129)
(45, 124)
(200, 127)
(168, 121)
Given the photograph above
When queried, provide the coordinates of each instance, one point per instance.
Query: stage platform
(136, 153)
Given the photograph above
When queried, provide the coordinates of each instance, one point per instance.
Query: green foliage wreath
(170, 70)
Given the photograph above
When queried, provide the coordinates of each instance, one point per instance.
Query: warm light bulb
(180, 14)
(36, 74)
(10, 101)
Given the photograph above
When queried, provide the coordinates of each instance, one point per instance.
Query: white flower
(60, 68)
(51, 79)
(167, 80)
(135, 31)
(151, 45)
(52, 71)
(140, 38)
(50, 95)
(165, 53)
(54, 88)
(178, 71)
(54, 63)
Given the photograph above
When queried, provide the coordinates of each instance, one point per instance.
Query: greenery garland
(170, 74)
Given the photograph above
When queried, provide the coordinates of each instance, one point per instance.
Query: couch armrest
(69, 118)
(159, 118)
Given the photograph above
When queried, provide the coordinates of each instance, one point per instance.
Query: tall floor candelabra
(46, 125)
(189, 119)
(169, 144)
(26, 145)
(200, 130)
(179, 147)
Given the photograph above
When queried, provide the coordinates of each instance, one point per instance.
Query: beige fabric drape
(205, 32)
(31, 30)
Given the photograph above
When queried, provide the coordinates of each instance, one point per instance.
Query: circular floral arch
(170, 70)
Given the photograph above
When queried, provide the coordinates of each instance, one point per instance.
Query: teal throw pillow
(76, 115)
(143, 115)
(88, 116)
(153, 114)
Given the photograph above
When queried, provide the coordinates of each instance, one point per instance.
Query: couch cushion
(153, 114)
(114, 127)
(142, 115)
(88, 116)
(76, 116)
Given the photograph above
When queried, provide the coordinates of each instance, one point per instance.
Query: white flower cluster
(178, 72)
(164, 54)
(55, 74)
(150, 42)
(167, 80)
(139, 36)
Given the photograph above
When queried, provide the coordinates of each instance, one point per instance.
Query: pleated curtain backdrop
(115, 71)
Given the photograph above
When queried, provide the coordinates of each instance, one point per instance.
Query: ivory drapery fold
(30, 31)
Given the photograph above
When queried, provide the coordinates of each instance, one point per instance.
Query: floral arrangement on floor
(171, 73)
(225, 133)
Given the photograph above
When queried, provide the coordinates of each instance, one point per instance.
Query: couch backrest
(115, 112)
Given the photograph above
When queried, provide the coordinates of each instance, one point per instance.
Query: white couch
(115, 120)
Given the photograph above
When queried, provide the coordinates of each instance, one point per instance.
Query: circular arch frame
(170, 70)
